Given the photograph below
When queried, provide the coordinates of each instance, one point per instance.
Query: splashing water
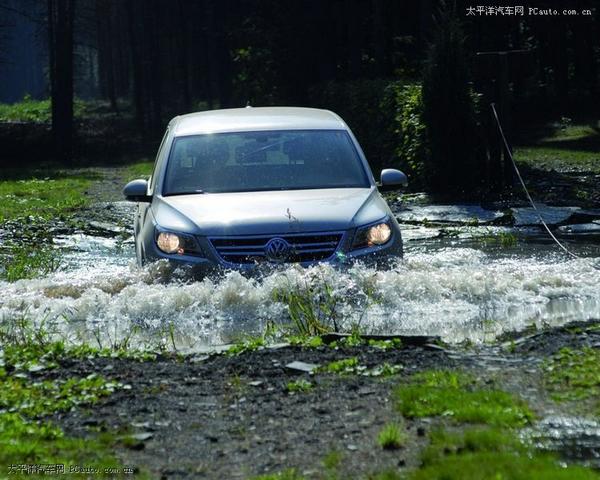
(458, 290)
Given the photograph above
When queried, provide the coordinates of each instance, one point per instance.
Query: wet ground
(470, 275)
(232, 417)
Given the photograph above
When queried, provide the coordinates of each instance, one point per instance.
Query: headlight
(169, 242)
(178, 243)
(372, 235)
(379, 234)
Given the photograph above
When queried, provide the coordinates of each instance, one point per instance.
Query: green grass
(457, 396)
(301, 386)
(38, 111)
(289, 474)
(27, 438)
(489, 454)
(567, 146)
(139, 170)
(558, 158)
(43, 197)
(392, 436)
(574, 374)
(26, 261)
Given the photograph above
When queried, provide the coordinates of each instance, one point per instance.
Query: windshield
(264, 160)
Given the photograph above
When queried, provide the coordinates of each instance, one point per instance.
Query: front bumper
(212, 256)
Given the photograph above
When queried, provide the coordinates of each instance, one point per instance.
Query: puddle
(574, 438)
(461, 283)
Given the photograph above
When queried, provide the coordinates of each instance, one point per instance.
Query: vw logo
(277, 249)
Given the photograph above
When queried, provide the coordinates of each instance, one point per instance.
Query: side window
(153, 178)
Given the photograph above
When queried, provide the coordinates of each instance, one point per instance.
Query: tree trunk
(60, 30)
(136, 64)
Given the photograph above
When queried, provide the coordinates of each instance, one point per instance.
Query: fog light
(169, 242)
(379, 234)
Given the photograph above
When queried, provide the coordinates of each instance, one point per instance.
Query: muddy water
(460, 282)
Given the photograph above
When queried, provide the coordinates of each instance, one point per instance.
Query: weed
(394, 343)
(456, 395)
(342, 367)
(305, 341)
(383, 370)
(249, 344)
(503, 238)
(311, 307)
(392, 436)
(332, 460)
(299, 386)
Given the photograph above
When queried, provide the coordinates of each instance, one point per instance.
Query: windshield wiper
(191, 192)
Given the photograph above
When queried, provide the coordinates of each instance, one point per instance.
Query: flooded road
(464, 277)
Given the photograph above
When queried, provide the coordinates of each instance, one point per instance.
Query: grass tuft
(392, 436)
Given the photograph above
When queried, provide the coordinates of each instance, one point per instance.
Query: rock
(36, 367)
(302, 366)
(142, 437)
(551, 215)
(456, 214)
(581, 229)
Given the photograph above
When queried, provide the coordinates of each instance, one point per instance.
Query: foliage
(409, 147)
(449, 111)
(574, 374)
(386, 117)
(368, 111)
(31, 110)
(456, 395)
(392, 436)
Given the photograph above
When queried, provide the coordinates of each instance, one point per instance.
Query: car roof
(255, 119)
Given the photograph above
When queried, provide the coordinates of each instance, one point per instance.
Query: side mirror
(392, 179)
(137, 191)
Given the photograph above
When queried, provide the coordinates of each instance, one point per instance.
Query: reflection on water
(457, 286)
(575, 438)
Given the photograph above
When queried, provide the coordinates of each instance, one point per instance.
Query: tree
(60, 49)
(448, 111)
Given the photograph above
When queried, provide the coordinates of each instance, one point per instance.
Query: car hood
(273, 212)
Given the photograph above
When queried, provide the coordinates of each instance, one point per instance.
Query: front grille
(310, 247)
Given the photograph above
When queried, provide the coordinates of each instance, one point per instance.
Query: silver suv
(240, 187)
